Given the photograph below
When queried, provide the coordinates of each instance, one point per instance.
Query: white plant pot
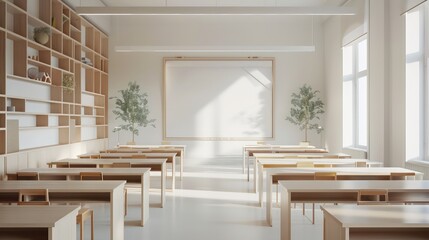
(304, 144)
(41, 38)
(131, 143)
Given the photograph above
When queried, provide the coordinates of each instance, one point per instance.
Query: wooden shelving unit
(75, 47)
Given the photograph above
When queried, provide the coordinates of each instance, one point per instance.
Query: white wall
(292, 69)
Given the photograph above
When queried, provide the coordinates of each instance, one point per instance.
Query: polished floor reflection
(214, 202)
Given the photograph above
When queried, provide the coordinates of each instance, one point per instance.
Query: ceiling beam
(213, 49)
(266, 11)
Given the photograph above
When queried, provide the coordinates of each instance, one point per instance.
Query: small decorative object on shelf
(33, 73)
(45, 77)
(306, 106)
(41, 34)
(36, 58)
(87, 61)
(10, 108)
(68, 82)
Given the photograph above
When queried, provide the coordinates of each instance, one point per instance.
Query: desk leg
(145, 198)
(255, 175)
(244, 160)
(285, 215)
(268, 203)
(173, 180)
(182, 162)
(248, 168)
(163, 183)
(117, 213)
(260, 184)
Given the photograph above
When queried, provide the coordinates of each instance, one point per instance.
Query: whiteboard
(218, 99)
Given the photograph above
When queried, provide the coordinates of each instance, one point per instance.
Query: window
(355, 94)
(415, 81)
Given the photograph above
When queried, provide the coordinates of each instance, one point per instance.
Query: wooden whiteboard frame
(164, 99)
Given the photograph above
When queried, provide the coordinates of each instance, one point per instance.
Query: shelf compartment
(42, 120)
(97, 82)
(2, 121)
(3, 60)
(57, 42)
(97, 42)
(18, 103)
(99, 101)
(88, 111)
(68, 47)
(76, 119)
(16, 20)
(101, 132)
(56, 108)
(63, 137)
(89, 37)
(22, 4)
(3, 15)
(68, 95)
(104, 46)
(100, 120)
(66, 108)
(77, 109)
(2, 104)
(89, 80)
(99, 112)
(19, 53)
(77, 83)
(2, 142)
(57, 15)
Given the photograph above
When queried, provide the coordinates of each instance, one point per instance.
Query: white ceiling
(140, 3)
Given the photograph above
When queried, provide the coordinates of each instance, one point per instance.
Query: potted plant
(41, 34)
(132, 108)
(68, 82)
(306, 107)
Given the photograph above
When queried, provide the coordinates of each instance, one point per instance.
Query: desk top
(275, 161)
(278, 146)
(62, 186)
(34, 216)
(153, 146)
(111, 161)
(380, 216)
(128, 154)
(302, 155)
(353, 185)
(344, 171)
(77, 171)
(287, 149)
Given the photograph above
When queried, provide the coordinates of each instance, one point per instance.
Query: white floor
(213, 202)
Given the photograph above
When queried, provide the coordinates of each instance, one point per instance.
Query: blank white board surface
(218, 99)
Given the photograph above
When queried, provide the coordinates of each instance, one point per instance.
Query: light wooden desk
(376, 222)
(153, 164)
(399, 191)
(179, 149)
(265, 146)
(272, 156)
(45, 222)
(265, 163)
(171, 158)
(131, 175)
(291, 174)
(111, 192)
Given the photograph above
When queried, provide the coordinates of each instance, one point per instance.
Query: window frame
(422, 58)
(354, 78)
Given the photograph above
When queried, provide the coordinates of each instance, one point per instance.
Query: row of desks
(343, 174)
(111, 192)
(101, 164)
(399, 192)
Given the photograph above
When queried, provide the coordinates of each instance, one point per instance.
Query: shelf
(93, 93)
(37, 46)
(28, 80)
(61, 55)
(36, 113)
(44, 127)
(13, 36)
(35, 22)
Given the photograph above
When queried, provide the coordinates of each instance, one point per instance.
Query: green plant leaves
(306, 107)
(131, 106)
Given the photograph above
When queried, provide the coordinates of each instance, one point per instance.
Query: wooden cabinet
(34, 85)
